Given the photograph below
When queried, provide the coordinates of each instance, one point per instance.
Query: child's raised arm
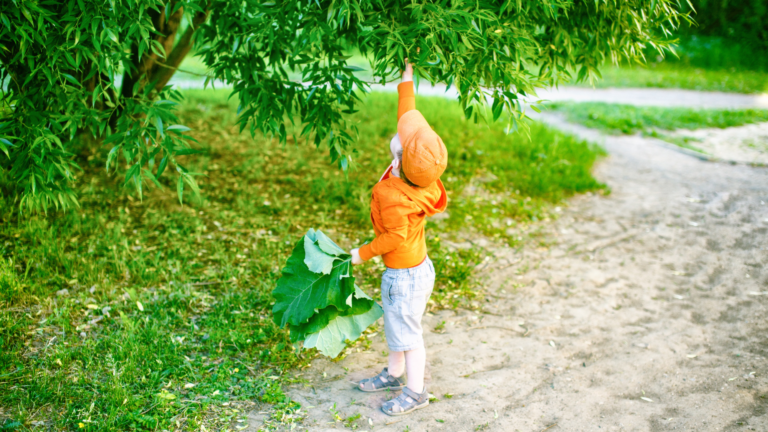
(407, 100)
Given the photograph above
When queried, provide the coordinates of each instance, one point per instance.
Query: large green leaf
(300, 292)
(321, 252)
(325, 243)
(331, 340)
(361, 304)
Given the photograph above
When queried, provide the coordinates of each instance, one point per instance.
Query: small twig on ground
(491, 369)
(485, 312)
(527, 330)
(493, 326)
(334, 378)
(549, 427)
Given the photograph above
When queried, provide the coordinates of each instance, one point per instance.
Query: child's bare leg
(414, 395)
(396, 363)
(415, 363)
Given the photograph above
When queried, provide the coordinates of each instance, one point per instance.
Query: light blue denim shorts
(404, 296)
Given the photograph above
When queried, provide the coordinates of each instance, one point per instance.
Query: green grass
(680, 141)
(681, 75)
(148, 315)
(629, 119)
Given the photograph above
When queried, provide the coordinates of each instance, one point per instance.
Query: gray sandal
(408, 401)
(382, 381)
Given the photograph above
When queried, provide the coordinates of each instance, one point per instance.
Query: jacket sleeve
(406, 99)
(394, 217)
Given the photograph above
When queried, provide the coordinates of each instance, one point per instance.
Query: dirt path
(647, 313)
(657, 97)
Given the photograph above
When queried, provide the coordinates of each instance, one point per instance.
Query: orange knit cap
(424, 154)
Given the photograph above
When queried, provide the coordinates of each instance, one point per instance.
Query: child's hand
(356, 256)
(408, 72)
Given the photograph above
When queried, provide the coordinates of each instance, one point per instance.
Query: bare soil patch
(744, 144)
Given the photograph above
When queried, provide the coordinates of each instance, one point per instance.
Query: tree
(737, 26)
(61, 62)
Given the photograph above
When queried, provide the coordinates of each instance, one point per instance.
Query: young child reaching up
(408, 192)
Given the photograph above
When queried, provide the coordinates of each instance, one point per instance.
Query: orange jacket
(399, 211)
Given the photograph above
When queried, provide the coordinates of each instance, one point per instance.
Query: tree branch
(163, 74)
(167, 26)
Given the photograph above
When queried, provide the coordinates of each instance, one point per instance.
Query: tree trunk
(166, 69)
(145, 67)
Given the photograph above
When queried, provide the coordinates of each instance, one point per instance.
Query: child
(408, 192)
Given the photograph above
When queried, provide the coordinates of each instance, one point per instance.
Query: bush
(727, 34)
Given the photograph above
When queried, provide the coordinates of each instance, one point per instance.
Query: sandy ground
(647, 313)
(744, 144)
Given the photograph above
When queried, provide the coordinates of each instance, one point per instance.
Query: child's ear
(396, 163)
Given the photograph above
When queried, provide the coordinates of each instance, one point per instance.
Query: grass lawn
(149, 315)
(680, 75)
(629, 119)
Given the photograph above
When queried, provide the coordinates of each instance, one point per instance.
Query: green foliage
(734, 25)
(204, 272)
(726, 49)
(318, 299)
(287, 63)
(715, 53)
(629, 119)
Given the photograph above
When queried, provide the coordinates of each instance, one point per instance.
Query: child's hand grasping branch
(408, 72)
